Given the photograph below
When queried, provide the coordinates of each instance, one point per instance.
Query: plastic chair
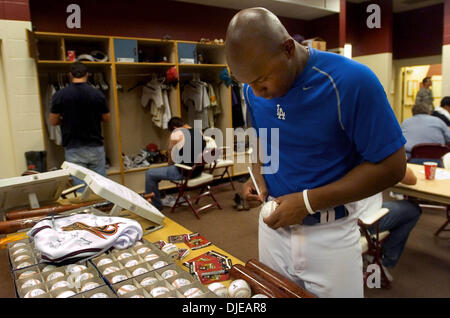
(371, 243)
(203, 181)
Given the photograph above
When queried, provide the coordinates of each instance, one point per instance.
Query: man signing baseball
(339, 145)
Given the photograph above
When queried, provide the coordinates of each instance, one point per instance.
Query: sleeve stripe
(337, 94)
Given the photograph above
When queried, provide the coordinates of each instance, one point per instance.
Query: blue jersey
(335, 116)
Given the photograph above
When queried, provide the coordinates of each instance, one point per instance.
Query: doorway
(412, 77)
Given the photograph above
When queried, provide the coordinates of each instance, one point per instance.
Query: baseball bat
(26, 214)
(7, 227)
(258, 284)
(284, 284)
(12, 226)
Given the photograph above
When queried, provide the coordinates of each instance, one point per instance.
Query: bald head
(258, 48)
(255, 27)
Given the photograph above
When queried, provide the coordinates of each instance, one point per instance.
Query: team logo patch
(100, 231)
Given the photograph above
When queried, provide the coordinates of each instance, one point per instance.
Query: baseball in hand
(268, 208)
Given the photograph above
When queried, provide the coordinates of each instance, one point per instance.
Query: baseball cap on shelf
(152, 147)
(99, 56)
(86, 58)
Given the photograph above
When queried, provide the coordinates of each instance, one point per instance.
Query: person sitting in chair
(424, 128)
(186, 152)
(443, 112)
(401, 219)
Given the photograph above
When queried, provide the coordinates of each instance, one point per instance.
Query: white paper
(440, 174)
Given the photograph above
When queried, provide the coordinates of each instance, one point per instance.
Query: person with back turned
(80, 109)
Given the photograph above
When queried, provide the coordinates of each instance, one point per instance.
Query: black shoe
(238, 202)
(245, 205)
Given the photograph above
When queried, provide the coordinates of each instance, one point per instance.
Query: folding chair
(202, 181)
(428, 152)
(371, 243)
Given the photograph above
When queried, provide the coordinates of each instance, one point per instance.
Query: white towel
(82, 236)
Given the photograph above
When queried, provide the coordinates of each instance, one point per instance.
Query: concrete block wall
(20, 116)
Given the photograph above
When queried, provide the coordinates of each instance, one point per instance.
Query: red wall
(154, 19)
(134, 18)
(419, 32)
(342, 23)
(446, 35)
(352, 24)
(326, 28)
(14, 10)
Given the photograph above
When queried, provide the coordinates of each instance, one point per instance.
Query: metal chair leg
(231, 180)
(180, 194)
(443, 227)
(212, 196)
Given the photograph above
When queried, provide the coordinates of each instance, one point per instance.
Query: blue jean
(420, 161)
(400, 220)
(154, 176)
(92, 158)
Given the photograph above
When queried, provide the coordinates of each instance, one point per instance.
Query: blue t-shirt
(335, 116)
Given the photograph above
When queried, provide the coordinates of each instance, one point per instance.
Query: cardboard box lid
(33, 190)
(121, 196)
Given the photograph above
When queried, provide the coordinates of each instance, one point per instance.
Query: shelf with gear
(201, 64)
(146, 102)
(127, 70)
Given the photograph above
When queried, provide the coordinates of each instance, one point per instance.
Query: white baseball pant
(324, 258)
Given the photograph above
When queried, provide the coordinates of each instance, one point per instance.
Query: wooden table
(431, 190)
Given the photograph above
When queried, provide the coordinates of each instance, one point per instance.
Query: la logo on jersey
(280, 113)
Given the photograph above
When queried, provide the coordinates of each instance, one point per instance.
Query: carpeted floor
(423, 270)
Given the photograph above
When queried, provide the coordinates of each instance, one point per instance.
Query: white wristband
(305, 199)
